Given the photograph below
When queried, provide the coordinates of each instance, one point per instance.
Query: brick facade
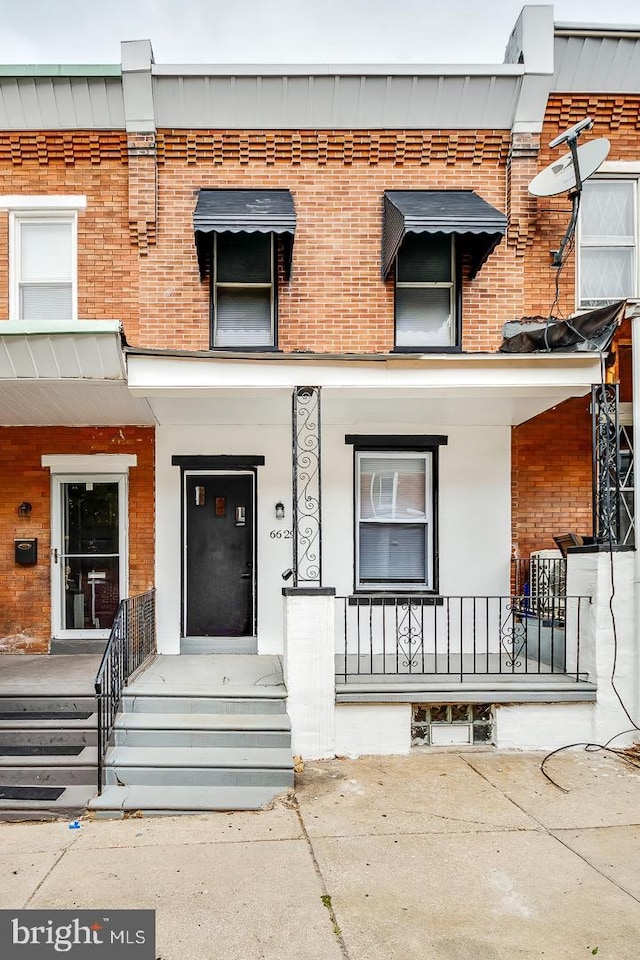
(25, 592)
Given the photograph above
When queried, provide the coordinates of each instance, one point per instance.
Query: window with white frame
(43, 258)
(608, 254)
(394, 520)
(425, 292)
(243, 290)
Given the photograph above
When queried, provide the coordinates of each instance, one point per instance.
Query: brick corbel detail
(143, 190)
(522, 166)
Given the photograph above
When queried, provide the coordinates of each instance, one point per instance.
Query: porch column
(606, 462)
(306, 453)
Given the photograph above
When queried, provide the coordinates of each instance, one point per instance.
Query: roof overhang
(66, 374)
(488, 389)
(243, 211)
(463, 213)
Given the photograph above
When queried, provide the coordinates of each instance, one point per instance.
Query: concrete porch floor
(211, 674)
(52, 674)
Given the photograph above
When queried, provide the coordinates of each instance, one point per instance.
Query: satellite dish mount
(568, 174)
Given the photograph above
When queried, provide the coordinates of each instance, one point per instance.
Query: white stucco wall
(381, 728)
(543, 726)
(474, 508)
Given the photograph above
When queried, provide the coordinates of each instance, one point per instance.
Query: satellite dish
(560, 177)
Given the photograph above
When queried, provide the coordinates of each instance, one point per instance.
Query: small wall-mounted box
(26, 551)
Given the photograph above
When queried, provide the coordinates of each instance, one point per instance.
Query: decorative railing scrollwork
(606, 462)
(307, 542)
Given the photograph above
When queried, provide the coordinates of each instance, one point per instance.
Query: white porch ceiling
(71, 403)
(489, 390)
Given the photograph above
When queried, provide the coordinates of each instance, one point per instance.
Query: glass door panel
(90, 555)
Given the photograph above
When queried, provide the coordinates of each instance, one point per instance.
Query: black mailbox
(26, 551)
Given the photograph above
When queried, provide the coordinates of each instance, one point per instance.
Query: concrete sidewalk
(435, 856)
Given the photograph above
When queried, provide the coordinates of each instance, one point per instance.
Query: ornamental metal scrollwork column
(307, 541)
(606, 462)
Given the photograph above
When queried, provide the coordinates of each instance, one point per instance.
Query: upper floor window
(43, 253)
(427, 235)
(608, 251)
(243, 290)
(426, 292)
(44, 267)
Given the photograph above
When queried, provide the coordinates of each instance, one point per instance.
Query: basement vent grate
(31, 793)
(450, 724)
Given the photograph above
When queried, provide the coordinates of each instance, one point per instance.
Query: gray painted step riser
(202, 738)
(48, 776)
(49, 737)
(153, 704)
(18, 814)
(199, 776)
(47, 703)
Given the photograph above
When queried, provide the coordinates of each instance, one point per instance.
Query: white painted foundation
(543, 726)
(381, 728)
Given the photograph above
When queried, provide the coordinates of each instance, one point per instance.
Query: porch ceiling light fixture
(279, 509)
(24, 510)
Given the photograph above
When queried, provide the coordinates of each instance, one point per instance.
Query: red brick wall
(94, 165)
(551, 476)
(336, 300)
(25, 592)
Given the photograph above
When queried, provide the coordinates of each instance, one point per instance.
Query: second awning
(460, 212)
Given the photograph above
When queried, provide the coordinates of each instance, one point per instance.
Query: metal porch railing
(132, 640)
(458, 637)
(542, 582)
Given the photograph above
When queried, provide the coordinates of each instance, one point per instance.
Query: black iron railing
(542, 583)
(132, 640)
(458, 637)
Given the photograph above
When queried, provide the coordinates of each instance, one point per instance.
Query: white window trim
(42, 213)
(17, 201)
(258, 285)
(428, 457)
(89, 463)
(431, 285)
(614, 172)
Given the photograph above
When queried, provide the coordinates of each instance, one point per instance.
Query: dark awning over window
(462, 212)
(243, 211)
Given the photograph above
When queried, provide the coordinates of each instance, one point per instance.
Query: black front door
(219, 575)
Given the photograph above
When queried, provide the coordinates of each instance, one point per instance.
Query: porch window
(607, 263)
(394, 518)
(425, 292)
(243, 290)
(43, 260)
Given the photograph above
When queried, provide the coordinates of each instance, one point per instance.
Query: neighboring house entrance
(88, 553)
(219, 550)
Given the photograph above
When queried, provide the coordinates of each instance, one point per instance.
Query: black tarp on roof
(243, 211)
(589, 331)
(461, 212)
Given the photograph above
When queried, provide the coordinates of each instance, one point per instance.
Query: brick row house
(250, 367)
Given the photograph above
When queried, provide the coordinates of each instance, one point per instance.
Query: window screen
(608, 228)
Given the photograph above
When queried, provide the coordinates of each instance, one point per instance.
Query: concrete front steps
(188, 748)
(48, 756)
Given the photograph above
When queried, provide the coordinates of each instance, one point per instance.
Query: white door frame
(57, 551)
